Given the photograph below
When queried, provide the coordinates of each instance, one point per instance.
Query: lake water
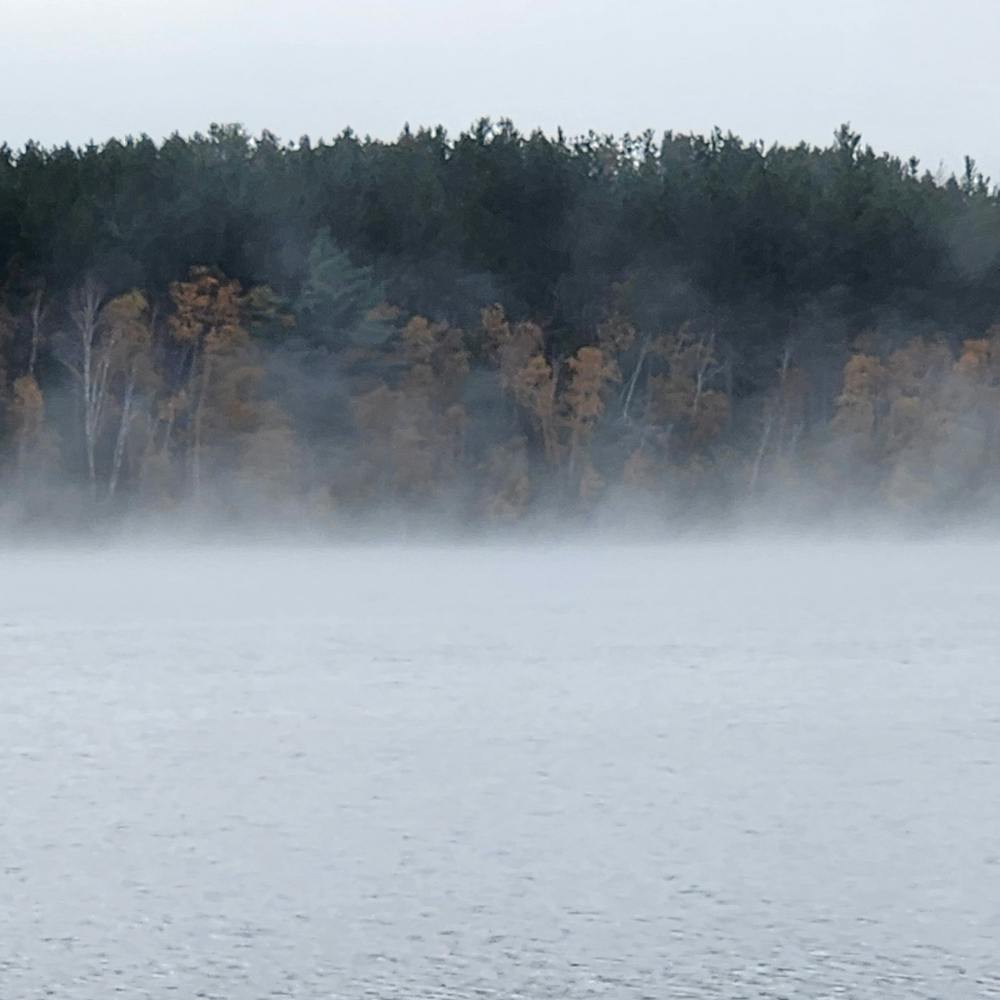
(695, 770)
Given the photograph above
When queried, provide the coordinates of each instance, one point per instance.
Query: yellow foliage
(208, 311)
(35, 446)
(534, 387)
(681, 397)
(917, 367)
(615, 335)
(128, 320)
(28, 407)
(419, 339)
(525, 373)
(436, 359)
(414, 435)
(864, 381)
(507, 483)
(975, 357)
(979, 362)
(591, 373)
(512, 348)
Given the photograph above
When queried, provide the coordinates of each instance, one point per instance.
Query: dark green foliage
(336, 297)
(761, 247)
(546, 225)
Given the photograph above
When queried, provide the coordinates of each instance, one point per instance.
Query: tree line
(493, 324)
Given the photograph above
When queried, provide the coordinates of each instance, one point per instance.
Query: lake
(703, 769)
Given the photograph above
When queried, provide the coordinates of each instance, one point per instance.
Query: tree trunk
(85, 318)
(37, 316)
(706, 349)
(761, 450)
(199, 413)
(123, 427)
(634, 380)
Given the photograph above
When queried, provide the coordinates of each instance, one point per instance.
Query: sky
(914, 77)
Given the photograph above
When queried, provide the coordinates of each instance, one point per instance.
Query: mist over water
(696, 769)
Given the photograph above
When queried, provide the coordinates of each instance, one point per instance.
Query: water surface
(719, 770)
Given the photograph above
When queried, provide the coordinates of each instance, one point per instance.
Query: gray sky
(914, 76)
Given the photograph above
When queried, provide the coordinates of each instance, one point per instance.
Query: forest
(492, 326)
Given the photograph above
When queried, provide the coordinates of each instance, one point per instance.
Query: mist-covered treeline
(491, 324)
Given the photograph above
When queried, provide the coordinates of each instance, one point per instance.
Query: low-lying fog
(700, 769)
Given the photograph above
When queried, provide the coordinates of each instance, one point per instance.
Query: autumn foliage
(495, 326)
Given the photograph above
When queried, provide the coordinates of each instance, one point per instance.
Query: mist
(480, 557)
(495, 330)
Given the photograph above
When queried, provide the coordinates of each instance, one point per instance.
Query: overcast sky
(913, 76)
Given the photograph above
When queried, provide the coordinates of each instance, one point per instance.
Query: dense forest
(492, 325)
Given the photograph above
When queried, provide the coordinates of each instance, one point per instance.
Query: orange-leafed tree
(526, 376)
(208, 321)
(133, 372)
(412, 432)
(222, 394)
(683, 401)
(859, 405)
(917, 421)
(592, 374)
(34, 442)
